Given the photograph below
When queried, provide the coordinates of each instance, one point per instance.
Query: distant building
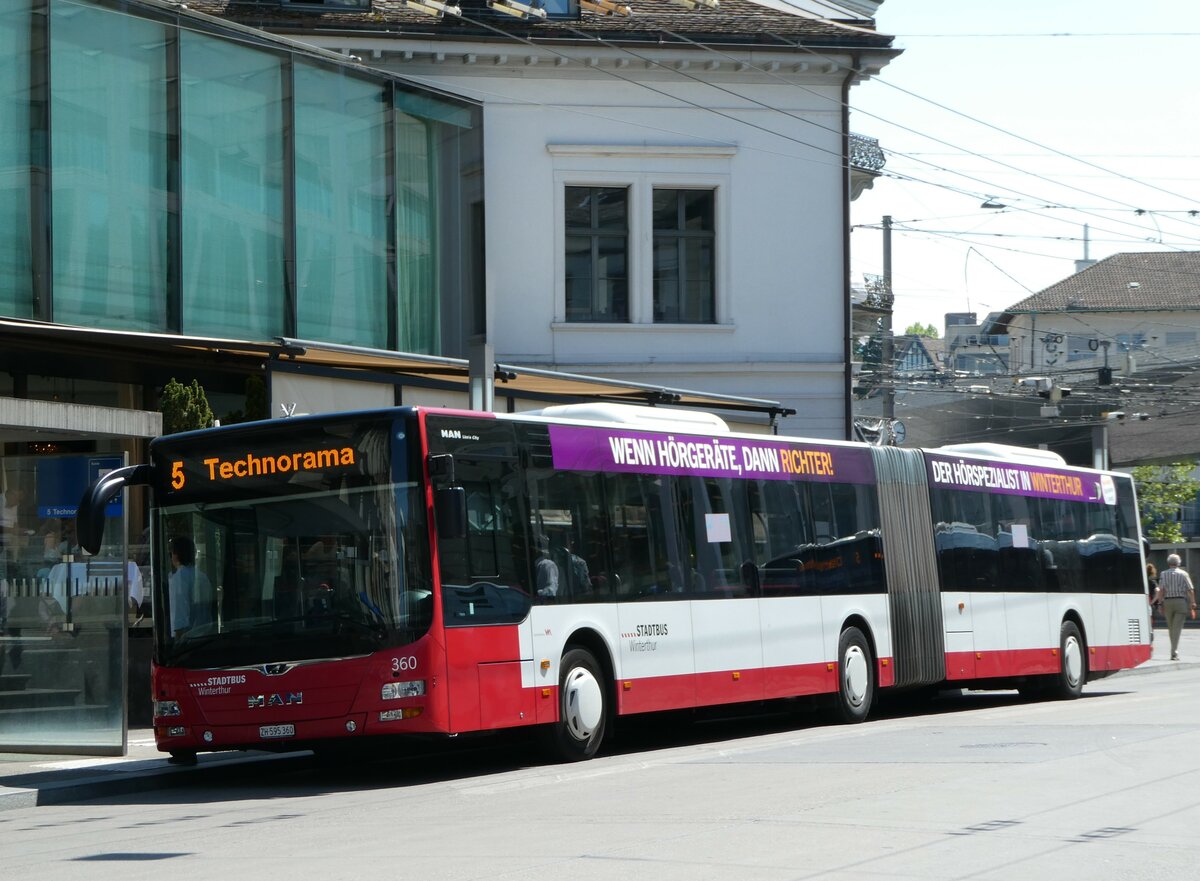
(1099, 366)
(970, 348)
(1132, 311)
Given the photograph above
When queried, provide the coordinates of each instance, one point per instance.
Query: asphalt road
(974, 786)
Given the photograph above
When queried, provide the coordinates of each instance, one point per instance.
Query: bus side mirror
(450, 511)
(89, 520)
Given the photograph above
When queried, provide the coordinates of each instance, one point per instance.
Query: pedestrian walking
(1178, 599)
(1152, 595)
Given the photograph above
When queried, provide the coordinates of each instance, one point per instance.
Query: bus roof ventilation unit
(644, 417)
(1005, 452)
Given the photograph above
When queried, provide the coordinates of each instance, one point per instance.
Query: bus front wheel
(856, 676)
(582, 707)
(1072, 672)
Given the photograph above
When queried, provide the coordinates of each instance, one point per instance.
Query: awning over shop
(128, 353)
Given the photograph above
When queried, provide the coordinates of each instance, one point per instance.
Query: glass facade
(416, 217)
(109, 111)
(161, 177)
(231, 112)
(65, 616)
(16, 171)
(341, 207)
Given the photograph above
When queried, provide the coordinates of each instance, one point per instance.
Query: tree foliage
(919, 329)
(1161, 489)
(184, 407)
(256, 403)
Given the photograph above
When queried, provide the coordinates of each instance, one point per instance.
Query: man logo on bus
(257, 701)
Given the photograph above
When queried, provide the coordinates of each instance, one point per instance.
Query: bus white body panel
(727, 635)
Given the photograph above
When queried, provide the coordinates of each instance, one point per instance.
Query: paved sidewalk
(30, 780)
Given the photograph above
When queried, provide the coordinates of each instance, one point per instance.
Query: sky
(1084, 112)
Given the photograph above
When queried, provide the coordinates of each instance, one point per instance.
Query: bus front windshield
(337, 572)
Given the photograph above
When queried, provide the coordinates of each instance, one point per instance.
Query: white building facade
(666, 195)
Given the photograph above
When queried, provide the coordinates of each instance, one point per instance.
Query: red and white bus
(428, 571)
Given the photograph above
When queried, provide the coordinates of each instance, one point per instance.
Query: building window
(1130, 342)
(110, 158)
(560, 8)
(341, 210)
(232, 158)
(597, 246)
(684, 256)
(16, 146)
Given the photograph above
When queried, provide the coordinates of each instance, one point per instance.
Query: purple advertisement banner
(576, 448)
(1016, 479)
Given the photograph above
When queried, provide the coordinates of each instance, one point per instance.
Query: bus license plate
(266, 731)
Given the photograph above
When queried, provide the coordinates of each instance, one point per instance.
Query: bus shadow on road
(402, 764)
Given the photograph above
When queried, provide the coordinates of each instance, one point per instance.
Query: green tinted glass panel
(341, 208)
(232, 157)
(109, 153)
(16, 271)
(417, 295)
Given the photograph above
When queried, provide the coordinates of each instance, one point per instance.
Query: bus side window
(1019, 558)
(566, 514)
(639, 541)
(716, 537)
(780, 512)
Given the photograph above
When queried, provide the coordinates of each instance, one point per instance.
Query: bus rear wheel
(582, 707)
(856, 676)
(1072, 672)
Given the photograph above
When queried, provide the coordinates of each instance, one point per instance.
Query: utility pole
(887, 367)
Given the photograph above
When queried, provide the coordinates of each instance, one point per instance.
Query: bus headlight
(163, 709)
(395, 690)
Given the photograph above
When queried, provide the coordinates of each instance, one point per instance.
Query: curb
(1154, 667)
(156, 775)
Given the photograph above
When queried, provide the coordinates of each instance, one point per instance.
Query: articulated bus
(419, 571)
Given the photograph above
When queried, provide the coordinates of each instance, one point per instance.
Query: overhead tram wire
(1140, 231)
(1140, 237)
(993, 187)
(1058, 34)
(985, 157)
(1070, 156)
(835, 154)
(525, 41)
(592, 38)
(303, 48)
(837, 132)
(971, 234)
(990, 186)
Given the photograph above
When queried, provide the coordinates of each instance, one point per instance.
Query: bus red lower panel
(503, 703)
(729, 686)
(483, 671)
(655, 693)
(961, 666)
(799, 679)
(733, 686)
(1118, 657)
